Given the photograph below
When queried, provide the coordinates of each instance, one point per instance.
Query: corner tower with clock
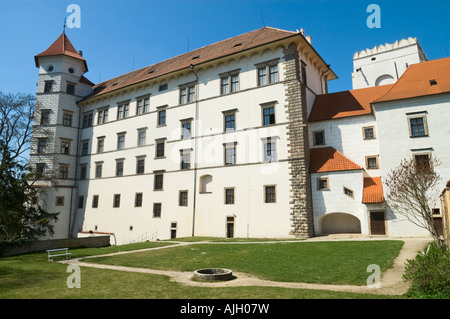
(55, 144)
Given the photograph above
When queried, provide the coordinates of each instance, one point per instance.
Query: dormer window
(433, 82)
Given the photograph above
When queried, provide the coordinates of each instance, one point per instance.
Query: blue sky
(117, 35)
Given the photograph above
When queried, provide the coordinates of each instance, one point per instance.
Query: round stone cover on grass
(213, 274)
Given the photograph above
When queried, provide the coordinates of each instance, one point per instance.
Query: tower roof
(62, 46)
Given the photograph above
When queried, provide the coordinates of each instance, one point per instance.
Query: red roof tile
(373, 190)
(62, 46)
(328, 159)
(416, 81)
(346, 103)
(211, 52)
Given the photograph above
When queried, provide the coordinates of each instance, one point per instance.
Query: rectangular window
(59, 201)
(267, 73)
(229, 196)
(273, 73)
(423, 159)
(160, 146)
(418, 126)
(322, 184)
(269, 194)
(185, 156)
(116, 201)
(83, 171)
(229, 121)
(45, 117)
(63, 171)
(122, 111)
(230, 154)
(142, 106)
(84, 148)
(372, 162)
(98, 170)
(158, 182)
(120, 141)
(140, 166)
(186, 129)
(70, 89)
(141, 137)
(65, 147)
(48, 86)
(268, 115)
(163, 87)
(102, 116)
(100, 144)
(138, 200)
(42, 145)
(348, 192)
(162, 117)
(80, 202)
(67, 119)
(183, 198)
(319, 138)
(187, 93)
(224, 85)
(119, 168)
(40, 169)
(303, 71)
(369, 133)
(156, 210)
(87, 119)
(95, 201)
(270, 150)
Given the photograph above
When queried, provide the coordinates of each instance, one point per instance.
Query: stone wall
(42, 245)
(296, 109)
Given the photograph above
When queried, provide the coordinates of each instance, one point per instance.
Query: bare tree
(413, 192)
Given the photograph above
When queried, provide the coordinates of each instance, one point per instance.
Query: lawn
(311, 262)
(31, 276)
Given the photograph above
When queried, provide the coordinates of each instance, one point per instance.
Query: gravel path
(391, 280)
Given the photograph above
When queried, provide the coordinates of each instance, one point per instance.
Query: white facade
(397, 144)
(124, 187)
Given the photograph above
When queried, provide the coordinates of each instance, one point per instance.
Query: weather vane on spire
(64, 27)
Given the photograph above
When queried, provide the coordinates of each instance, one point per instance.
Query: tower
(386, 63)
(55, 144)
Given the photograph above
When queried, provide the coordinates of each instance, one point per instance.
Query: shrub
(429, 273)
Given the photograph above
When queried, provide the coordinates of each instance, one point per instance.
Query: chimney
(80, 53)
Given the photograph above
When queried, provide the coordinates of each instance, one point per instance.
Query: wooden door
(377, 223)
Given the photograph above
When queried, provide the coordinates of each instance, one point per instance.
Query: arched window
(205, 183)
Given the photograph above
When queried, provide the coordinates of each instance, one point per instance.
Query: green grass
(31, 276)
(312, 262)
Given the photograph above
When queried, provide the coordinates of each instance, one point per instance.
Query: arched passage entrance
(339, 223)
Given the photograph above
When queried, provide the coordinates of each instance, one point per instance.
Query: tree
(21, 219)
(413, 192)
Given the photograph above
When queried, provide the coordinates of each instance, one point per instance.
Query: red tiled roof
(415, 81)
(346, 103)
(328, 159)
(211, 52)
(62, 46)
(373, 190)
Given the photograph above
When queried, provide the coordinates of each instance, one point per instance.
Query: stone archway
(339, 223)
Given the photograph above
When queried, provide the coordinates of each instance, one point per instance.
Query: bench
(58, 253)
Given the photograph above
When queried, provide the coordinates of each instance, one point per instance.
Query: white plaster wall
(396, 143)
(346, 136)
(335, 201)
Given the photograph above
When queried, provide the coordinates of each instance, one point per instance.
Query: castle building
(239, 138)
(209, 143)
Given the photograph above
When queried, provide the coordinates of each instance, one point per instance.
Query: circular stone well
(213, 274)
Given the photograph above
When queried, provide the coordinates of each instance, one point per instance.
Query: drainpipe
(196, 150)
(72, 222)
